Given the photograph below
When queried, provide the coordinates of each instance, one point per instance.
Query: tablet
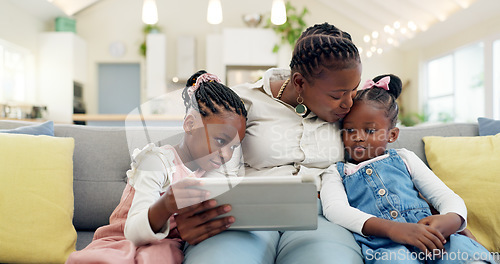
(266, 203)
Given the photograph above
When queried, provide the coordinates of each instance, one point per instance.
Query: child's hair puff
(384, 98)
(211, 97)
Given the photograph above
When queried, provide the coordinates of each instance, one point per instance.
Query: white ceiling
(434, 18)
(49, 9)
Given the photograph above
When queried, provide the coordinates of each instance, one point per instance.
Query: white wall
(120, 20)
(19, 27)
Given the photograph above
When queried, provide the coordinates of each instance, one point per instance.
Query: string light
(149, 12)
(278, 12)
(214, 12)
(399, 31)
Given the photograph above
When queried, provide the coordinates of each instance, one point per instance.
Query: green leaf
(276, 48)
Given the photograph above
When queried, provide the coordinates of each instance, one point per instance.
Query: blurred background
(94, 61)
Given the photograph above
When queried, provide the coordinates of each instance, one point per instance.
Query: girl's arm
(148, 184)
(335, 204)
(453, 212)
(425, 238)
(336, 208)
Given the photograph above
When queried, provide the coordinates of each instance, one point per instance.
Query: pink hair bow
(382, 83)
(206, 77)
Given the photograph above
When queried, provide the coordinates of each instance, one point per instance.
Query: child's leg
(105, 250)
(231, 247)
(461, 249)
(329, 243)
(165, 251)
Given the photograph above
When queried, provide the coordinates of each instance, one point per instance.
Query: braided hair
(323, 45)
(383, 98)
(212, 97)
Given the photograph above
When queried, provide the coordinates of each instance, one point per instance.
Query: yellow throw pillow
(36, 199)
(470, 166)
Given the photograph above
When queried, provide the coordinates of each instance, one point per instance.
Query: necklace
(280, 92)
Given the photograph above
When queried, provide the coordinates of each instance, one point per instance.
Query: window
(16, 74)
(455, 88)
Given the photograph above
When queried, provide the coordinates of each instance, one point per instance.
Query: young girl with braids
(375, 193)
(142, 228)
(293, 129)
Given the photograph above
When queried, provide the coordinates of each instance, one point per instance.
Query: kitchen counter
(129, 120)
(123, 117)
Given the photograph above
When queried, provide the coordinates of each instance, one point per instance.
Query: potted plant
(290, 31)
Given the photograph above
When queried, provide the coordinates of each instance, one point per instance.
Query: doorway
(119, 87)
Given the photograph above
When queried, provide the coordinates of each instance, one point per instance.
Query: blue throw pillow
(488, 127)
(46, 128)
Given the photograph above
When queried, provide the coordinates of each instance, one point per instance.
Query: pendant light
(149, 12)
(278, 12)
(214, 12)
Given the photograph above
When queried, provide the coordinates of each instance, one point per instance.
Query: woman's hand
(196, 223)
(425, 238)
(446, 224)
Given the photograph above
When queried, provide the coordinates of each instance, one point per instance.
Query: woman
(291, 130)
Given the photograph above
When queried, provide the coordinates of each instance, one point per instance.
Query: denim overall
(384, 188)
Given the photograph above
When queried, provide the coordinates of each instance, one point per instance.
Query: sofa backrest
(411, 137)
(101, 159)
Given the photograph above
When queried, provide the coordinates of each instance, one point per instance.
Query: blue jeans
(329, 243)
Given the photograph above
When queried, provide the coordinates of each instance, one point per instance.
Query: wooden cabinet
(249, 47)
(242, 47)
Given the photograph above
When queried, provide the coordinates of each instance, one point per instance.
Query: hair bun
(395, 85)
(192, 80)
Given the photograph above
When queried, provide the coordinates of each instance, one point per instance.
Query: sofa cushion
(46, 128)
(36, 199)
(488, 127)
(470, 166)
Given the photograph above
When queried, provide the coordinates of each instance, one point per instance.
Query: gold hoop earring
(301, 108)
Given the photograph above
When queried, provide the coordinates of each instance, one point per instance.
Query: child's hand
(181, 195)
(425, 238)
(447, 224)
(198, 222)
(178, 198)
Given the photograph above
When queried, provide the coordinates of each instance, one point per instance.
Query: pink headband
(382, 83)
(206, 77)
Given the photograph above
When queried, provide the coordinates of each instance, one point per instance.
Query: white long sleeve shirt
(153, 170)
(278, 142)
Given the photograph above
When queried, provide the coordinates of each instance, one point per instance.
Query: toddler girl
(376, 193)
(142, 228)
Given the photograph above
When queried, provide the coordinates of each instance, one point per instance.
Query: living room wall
(19, 27)
(120, 20)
